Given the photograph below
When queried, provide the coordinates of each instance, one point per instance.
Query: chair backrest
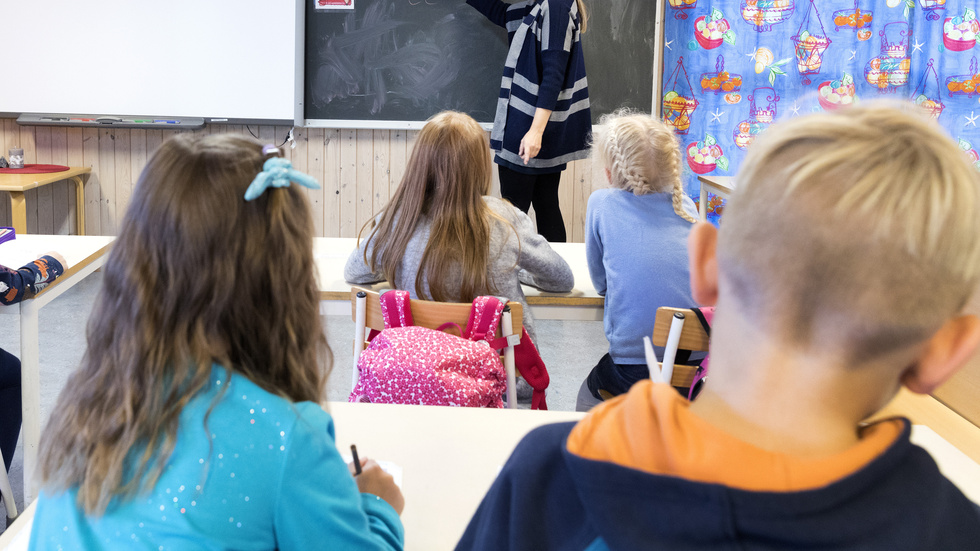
(427, 313)
(433, 315)
(693, 337)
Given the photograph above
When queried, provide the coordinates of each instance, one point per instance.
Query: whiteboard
(179, 58)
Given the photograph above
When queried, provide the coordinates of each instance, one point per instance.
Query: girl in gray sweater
(441, 237)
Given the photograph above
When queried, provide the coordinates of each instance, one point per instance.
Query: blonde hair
(446, 178)
(853, 230)
(197, 276)
(583, 16)
(642, 156)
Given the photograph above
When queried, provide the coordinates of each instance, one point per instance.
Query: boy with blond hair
(840, 272)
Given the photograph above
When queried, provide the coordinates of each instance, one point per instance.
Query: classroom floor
(569, 349)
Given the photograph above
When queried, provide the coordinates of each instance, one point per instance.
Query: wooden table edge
(532, 300)
(72, 270)
(44, 178)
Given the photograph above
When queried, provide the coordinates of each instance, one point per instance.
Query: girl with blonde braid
(636, 244)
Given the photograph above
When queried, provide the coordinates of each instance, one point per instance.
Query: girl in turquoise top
(193, 421)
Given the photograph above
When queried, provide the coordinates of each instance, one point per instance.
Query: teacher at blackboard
(543, 119)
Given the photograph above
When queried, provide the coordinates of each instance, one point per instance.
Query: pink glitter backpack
(406, 364)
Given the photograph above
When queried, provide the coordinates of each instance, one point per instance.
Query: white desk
(581, 303)
(449, 458)
(84, 255)
(722, 186)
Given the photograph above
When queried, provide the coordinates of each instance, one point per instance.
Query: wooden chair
(8, 494)
(692, 337)
(366, 313)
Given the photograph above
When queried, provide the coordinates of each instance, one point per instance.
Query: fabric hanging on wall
(733, 67)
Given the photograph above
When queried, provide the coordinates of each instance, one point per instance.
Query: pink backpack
(405, 364)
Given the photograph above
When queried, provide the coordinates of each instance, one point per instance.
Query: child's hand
(375, 481)
(58, 257)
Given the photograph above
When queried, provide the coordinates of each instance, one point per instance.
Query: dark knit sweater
(545, 68)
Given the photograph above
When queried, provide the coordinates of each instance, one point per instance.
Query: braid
(621, 168)
(673, 171)
(678, 199)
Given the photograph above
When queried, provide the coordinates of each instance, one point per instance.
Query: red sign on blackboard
(334, 4)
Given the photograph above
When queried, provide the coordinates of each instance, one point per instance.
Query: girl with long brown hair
(195, 413)
(442, 237)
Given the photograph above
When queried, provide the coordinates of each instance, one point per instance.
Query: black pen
(357, 461)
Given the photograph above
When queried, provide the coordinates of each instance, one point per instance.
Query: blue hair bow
(277, 172)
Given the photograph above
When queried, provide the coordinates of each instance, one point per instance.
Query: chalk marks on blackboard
(397, 59)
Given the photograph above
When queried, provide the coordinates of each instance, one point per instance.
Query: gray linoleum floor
(569, 349)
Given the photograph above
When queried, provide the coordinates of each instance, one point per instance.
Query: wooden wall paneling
(43, 206)
(75, 157)
(332, 169)
(9, 137)
(267, 134)
(312, 139)
(397, 159)
(123, 152)
(494, 174)
(107, 172)
(138, 158)
(381, 188)
(91, 156)
(347, 219)
(153, 140)
(582, 185)
(365, 178)
(29, 144)
(63, 192)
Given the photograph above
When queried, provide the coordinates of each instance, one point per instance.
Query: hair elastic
(277, 172)
(269, 148)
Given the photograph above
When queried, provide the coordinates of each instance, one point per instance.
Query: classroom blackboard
(388, 63)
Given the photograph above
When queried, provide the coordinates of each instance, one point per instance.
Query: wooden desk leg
(79, 204)
(703, 204)
(30, 394)
(18, 211)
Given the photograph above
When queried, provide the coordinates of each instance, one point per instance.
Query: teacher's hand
(530, 145)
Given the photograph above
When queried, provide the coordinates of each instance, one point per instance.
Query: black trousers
(10, 408)
(541, 191)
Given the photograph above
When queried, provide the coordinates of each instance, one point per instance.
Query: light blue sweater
(272, 480)
(636, 248)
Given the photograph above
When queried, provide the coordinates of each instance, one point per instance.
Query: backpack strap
(705, 316)
(532, 368)
(484, 320)
(396, 308)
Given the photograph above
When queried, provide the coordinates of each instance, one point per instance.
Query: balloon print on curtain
(927, 93)
(679, 103)
(810, 41)
(762, 112)
(766, 13)
(891, 68)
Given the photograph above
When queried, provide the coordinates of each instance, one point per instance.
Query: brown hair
(446, 178)
(198, 276)
(642, 155)
(853, 230)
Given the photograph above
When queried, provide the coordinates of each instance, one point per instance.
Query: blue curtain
(732, 67)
